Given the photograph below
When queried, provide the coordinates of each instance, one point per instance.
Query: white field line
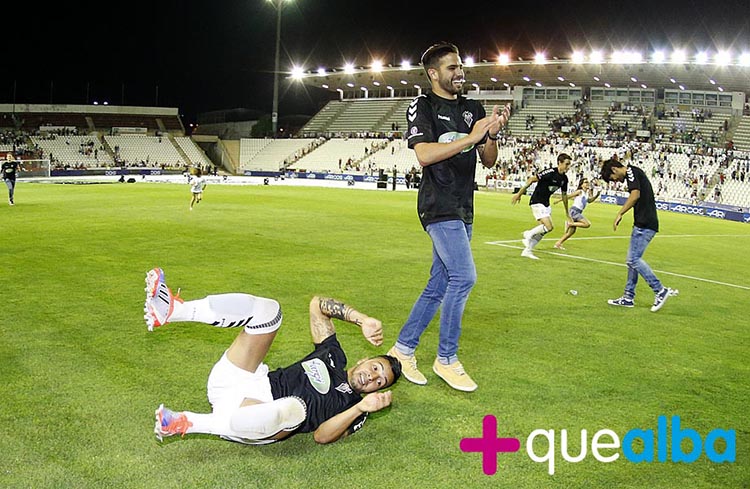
(516, 244)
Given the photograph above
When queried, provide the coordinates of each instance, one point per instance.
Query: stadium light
(469, 61)
(658, 57)
(405, 64)
(493, 79)
(577, 57)
(275, 111)
(745, 59)
(540, 58)
(376, 83)
(596, 57)
(377, 66)
(349, 68)
(723, 58)
(503, 59)
(678, 56)
(701, 58)
(297, 73)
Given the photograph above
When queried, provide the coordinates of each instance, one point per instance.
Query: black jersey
(446, 191)
(9, 169)
(644, 210)
(320, 380)
(549, 180)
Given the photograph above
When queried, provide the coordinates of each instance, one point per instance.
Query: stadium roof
(485, 75)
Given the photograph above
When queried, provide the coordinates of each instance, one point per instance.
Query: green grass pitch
(81, 376)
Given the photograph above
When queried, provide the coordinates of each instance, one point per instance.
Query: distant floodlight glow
(539, 84)
(469, 61)
(577, 57)
(321, 71)
(324, 86)
(406, 64)
(540, 58)
(526, 78)
(376, 83)
(596, 57)
(572, 84)
(720, 89)
(673, 80)
(618, 57)
(596, 78)
(503, 59)
(682, 87)
(561, 78)
(349, 68)
(723, 58)
(608, 85)
(297, 73)
(643, 85)
(678, 56)
(745, 59)
(633, 79)
(712, 81)
(658, 57)
(377, 66)
(701, 58)
(404, 82)
(350, 85)
(493, 79)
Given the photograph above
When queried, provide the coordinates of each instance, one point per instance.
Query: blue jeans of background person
(11, 184)
(452, 277)
(639, 240)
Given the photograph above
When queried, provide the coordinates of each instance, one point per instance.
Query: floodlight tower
(278, 4)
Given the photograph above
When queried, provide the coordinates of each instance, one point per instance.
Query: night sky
(200, 56)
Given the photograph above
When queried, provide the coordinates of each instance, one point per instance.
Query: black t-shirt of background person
(446, 190)
(9, 169)
(549, 180)
(644, 211)
(320, 380)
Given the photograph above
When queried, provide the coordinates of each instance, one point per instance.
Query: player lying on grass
(254, 406)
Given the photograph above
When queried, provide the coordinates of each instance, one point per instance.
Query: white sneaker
(527, 253)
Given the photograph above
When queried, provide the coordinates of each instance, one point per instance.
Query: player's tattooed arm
(338, 310)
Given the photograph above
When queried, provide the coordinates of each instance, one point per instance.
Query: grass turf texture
(82, 376)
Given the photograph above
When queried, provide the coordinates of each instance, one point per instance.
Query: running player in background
(9, 169)
(197, 184)
(583, 195)
(547, 183)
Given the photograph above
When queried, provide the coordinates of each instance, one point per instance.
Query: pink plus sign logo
(490, 445)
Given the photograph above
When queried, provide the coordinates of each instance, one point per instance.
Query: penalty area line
(512, 244)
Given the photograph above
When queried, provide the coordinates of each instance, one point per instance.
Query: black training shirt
(549, 180)
(320, 380)
(9, 169)
(644, 210)
(446, 191)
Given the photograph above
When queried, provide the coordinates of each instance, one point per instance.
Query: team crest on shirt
(317, 374)
(345, 388)
(468, 117)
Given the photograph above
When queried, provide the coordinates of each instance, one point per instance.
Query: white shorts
(229, 385)
(541, 211)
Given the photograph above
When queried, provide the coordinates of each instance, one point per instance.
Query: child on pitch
(197, 184)
(582, 196)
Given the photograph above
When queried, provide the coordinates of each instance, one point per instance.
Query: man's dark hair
(395, 366)
(607, 167)
(562, 157)
(433, 54)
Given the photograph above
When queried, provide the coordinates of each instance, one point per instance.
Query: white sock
(260, 421)
(258, 315)
(537, 234)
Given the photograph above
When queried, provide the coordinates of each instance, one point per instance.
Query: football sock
(258, 315)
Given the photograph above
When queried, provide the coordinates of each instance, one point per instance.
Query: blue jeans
(11, 184)
(452, 277)
(639, 240)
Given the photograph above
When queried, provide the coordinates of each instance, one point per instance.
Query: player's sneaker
(529, 254)
(622, 302)
(661, 297)
(159, 299)
(170, 423)
(559, 246)
(526, 240)
(454, 375)
(408, 367)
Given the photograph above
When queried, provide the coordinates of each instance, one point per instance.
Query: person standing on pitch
(547, 183)
(9, 169)
(645, 226)
(446, 131)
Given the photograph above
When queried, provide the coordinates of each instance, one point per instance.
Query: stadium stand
(74, 151)
(149, 151)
